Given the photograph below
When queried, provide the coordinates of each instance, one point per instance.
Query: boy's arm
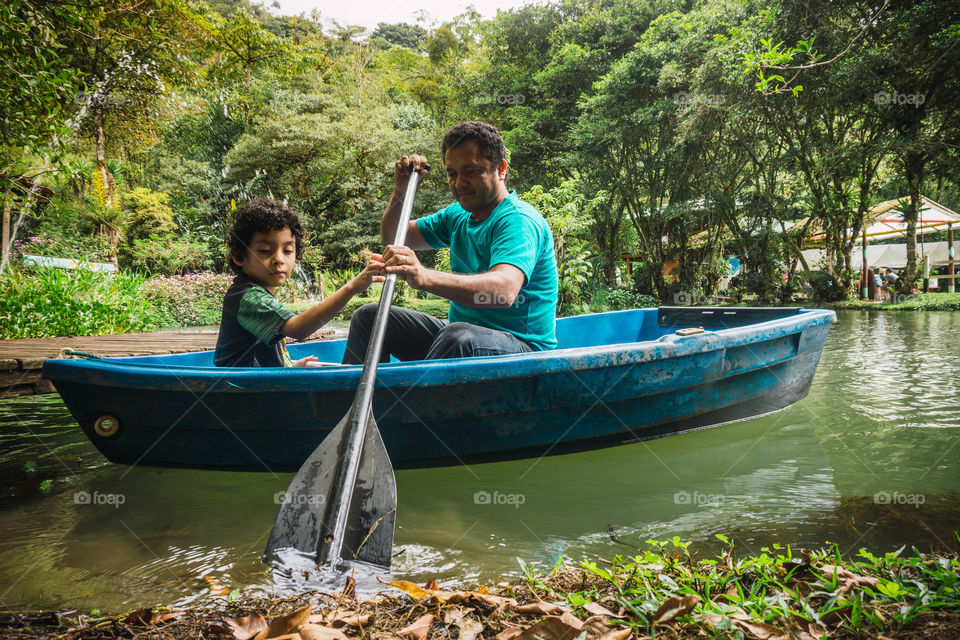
(305, 323)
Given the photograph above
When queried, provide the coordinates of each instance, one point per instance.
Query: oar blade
(373, 507)
(304, 521)
(299, 523)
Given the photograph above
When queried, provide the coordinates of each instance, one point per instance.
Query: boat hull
(437, 413)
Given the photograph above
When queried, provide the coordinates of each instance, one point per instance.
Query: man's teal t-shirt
(514, 233)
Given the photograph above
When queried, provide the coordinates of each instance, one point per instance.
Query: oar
(342, 503)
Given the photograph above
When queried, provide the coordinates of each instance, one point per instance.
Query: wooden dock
(21, 360)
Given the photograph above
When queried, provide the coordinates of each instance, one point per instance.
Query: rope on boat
(68, 353)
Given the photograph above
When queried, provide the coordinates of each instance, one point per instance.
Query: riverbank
(912, 302)
(660, 592)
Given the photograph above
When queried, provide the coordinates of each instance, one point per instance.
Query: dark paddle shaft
(338, 510)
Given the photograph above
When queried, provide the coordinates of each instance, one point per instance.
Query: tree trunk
(109, 185)
(913, 170)
(7, 205)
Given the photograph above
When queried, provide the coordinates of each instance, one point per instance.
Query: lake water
(869, 459)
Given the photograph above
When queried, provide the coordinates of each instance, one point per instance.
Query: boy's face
(270, 258)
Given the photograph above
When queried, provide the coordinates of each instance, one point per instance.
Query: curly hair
(488, 140)
(263, 216)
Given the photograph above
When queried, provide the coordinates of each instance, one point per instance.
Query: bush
(166, 255)
(148, 212)
(44, 301)
(824, 288)
(620, 298)
(190, 300)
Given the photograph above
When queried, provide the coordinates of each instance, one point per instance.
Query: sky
(369, 13)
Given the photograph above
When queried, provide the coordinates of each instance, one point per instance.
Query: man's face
(270, 258)
(474, 181)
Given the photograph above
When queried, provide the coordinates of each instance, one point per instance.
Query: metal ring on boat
(106, 426)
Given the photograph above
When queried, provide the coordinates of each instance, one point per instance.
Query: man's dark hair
(488, 139)
(263, 216)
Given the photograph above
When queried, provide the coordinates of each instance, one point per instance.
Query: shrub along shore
(663, 592)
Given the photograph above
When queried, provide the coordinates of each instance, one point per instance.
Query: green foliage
(167, 254)
(824, 287)
(188, 300)
(147, 213)
(42, 302)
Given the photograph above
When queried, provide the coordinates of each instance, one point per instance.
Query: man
(503, 285)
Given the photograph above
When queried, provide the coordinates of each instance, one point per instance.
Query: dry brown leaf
(286, 625)
(320, 632)
(246, 628)
(552, 628)
(419, 629)
(139, 617)
(596, 626)
(414, 591)
(803, 630)
(468, 626)
(617, 634)
(541, 608)
(597, 610)
(675, 607)
(497, 602)
(157, 618)
(759, 630)
(508, 634)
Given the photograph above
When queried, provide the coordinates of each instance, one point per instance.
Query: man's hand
(401, 172)
(403, 262)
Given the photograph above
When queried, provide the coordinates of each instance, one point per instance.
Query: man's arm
(497, 288)
(388, 223)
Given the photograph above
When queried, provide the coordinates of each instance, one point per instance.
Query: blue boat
(616, 378)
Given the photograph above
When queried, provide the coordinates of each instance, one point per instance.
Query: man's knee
(365, 314)
(455, 340)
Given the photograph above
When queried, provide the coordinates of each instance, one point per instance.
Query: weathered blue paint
(617, 377)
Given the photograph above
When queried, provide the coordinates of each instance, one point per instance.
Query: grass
(660, 592)
(912, 302)
(781, 588)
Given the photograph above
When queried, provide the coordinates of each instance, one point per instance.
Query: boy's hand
(306, 362)
(373, 272)
(403, 262)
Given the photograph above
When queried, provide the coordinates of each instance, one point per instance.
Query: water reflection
(868, 459)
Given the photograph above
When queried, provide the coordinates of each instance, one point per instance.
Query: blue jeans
(412, 335)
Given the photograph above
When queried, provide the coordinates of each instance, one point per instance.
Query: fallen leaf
(157, 618)
(246, 628)
(803, 630)
(468, 626)
(139, 617)
(617, 634)
(541, 608)
(596, 626)
(352, 620)
(432, 585)
(674, 607)
(286, 625)
(760, 630)
(319, 632)
(597, 609)
(508, 634)
(420, 627)
(414, 591)
(552, 628)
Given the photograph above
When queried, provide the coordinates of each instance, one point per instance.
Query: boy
(264, 244)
